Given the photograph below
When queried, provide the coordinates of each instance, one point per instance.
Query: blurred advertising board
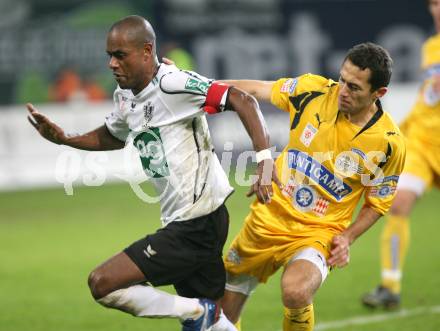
(258, 39)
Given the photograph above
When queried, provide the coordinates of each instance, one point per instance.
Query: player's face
(355, 92)
(128, 62)
(434, 8)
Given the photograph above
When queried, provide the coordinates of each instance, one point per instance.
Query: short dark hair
(374, 57)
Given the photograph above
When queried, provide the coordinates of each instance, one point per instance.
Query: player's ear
(148, 49)
(380, 92)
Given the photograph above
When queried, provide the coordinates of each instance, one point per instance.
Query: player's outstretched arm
(250, 115)
(99, 139)
(340, 253)
(262, 90)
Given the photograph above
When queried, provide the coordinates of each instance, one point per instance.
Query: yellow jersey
(329, 163)
(423, 123)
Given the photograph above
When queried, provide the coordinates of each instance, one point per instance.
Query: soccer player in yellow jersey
(342, 147)
(422, 170)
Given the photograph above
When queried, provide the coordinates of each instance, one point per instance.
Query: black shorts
(187, 255)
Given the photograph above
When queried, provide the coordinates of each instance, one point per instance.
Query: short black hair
(139, 31)
(374, 57)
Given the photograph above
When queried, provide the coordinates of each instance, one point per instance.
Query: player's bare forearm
(262, 90)
(250, 115)
(365, 219)
(340, 252)
(99, 139)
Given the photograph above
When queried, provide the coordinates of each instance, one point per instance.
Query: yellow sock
(394, 246)
(301, 319)
(238, 324)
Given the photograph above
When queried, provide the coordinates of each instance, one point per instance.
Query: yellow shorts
(261, 247)
(422, 160)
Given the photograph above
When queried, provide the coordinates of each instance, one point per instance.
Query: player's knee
(296, 297)
(399, 209)
(403, 203)
(98, 284)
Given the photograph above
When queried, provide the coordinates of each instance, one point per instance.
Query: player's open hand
(266, 173)
(340, 253)
(45, 127)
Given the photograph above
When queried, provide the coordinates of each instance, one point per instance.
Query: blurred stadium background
(63, 212)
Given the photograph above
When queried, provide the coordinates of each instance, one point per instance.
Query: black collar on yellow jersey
(377, 115)
(372, 120)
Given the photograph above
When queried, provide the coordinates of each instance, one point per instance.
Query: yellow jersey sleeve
(379, 196)
(284, 88)
(424, 118)
(430, 55)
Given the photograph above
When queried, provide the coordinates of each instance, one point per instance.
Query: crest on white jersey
(148, 113)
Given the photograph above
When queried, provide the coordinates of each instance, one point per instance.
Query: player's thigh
(117, 272)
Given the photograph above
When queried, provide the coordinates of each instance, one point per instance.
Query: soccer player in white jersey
(161, 110)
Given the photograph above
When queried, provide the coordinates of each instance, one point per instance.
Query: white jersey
(167, 124)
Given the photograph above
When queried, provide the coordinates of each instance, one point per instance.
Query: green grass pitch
(49, 242)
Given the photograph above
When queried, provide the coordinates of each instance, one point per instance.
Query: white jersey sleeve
(184, 92)
(116, 122)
